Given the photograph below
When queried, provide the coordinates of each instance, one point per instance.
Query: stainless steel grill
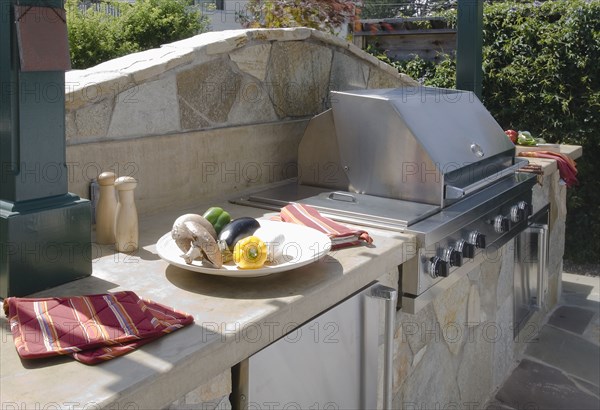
(427, 161)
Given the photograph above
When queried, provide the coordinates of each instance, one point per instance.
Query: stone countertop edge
(234, 318)
(572, 151)
(549, 165)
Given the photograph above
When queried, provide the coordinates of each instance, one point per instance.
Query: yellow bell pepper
(250, 253)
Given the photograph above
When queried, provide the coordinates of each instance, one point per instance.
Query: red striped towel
(341, 236)
(91, 329)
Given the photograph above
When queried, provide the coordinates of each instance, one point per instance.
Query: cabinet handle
(390, 295)
(542, 231)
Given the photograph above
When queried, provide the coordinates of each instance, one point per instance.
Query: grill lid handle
(342, 196)
(453, 192)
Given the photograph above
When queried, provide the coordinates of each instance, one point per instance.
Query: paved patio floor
(561, 367)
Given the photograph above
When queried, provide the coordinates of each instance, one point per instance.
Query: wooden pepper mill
(106, 209)
(126, 218)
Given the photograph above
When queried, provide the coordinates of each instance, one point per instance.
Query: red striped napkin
(341, 236)
(91, 329)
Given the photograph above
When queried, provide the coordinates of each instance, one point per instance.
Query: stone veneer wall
(211, 114)
(459, 348)
(457, 351)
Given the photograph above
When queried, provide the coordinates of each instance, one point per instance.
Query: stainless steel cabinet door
(531, 274)
(330, 362)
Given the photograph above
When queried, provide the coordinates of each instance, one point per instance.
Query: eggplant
(238, 229)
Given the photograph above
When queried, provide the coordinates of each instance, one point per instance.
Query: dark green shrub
(541, 64)
(542, 72)
(150, 23)
(112, 29)
(441, 74)
(94, 35)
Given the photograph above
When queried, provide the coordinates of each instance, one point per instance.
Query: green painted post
(8, 100)
(469, 45)
(45, 232)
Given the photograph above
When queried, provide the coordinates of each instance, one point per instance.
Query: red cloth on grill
(566, 166)
(341, 236)
(92, 328)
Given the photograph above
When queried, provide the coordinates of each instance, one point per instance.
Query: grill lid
(419, 144)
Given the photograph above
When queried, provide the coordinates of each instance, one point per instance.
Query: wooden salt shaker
(126, 218)
(105, 211)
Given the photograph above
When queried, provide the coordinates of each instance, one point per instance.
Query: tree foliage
(106, 30)
(379, 9)
(150, 23)
(541, 73)
(324, 15)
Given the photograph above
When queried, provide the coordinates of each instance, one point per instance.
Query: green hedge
(542, 72)
(112, 29)
(541, 65)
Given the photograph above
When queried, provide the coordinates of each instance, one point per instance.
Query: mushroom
(182, 239)
(195, 236)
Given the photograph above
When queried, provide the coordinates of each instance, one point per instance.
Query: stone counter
(234, 318)
(454, 352)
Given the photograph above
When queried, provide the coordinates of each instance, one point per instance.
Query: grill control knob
(467, 249)
(501, 224)
(477, 239)
(461, 247)
(438, 267)
(520, 212)
(453, 256)
(524, 210)
(515, 214)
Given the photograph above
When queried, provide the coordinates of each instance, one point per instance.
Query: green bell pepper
(218, 217)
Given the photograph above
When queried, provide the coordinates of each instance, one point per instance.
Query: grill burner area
(345, 206)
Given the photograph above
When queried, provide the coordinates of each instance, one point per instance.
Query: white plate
(302, 245)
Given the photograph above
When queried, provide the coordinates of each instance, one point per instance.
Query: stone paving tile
(595, 390)
(571, 318)
(592, 333)
(581, 291)
(566, 351)
(496, 405)
(536, 386)
(583, 301)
